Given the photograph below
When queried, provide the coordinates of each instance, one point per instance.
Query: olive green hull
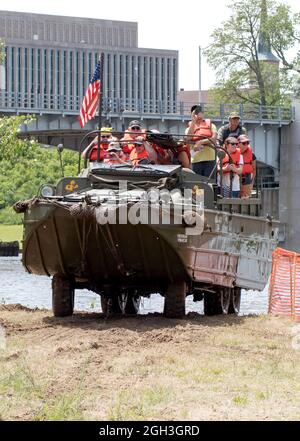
(57, 242)
(232, 250)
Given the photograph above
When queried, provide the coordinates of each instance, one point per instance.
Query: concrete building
(53, 58)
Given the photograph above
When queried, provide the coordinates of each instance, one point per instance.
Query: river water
(17, 286)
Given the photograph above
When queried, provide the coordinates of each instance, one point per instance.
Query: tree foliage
(25, 166)
(241, 74)
(2, 53)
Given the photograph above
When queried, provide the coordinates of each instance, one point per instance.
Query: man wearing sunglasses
(92, 148)
(232, 168)
(133, 132)
(249, 167)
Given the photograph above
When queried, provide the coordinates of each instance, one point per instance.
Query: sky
(162, 24)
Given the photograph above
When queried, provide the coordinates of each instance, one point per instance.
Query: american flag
(91, 98)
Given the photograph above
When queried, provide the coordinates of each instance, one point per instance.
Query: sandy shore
(147, 367)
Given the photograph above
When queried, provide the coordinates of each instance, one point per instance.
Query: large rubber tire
(212, 304)
(112, 304)
(235, 301)
(133, 304)
(225, 298)
(62, 296)
(175, 296)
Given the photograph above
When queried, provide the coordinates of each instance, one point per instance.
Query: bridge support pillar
(289, 193)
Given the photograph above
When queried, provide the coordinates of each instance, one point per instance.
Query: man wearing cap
(203, 134)
(249, 167)
(134, 131)
(92, 149)
(233, 128)
(114, 154)
(139, 154)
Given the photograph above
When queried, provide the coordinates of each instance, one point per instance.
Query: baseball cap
(114, 146)
(106, 130)
(243, 138)
(134, 123)
(234, 115)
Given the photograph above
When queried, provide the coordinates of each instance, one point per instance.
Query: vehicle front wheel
(62, 296)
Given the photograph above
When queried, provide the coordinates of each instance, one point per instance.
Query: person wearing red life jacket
(134, 131)
(114, 154)
(203, 157)
(139, 155)
(92, 148)
(249, 167)
(231, 169)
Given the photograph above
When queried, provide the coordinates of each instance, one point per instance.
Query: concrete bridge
(274, 132)
(56, 119)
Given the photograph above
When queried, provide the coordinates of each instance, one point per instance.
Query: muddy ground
(147, 367)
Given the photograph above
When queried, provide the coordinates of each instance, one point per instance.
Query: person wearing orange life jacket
(203, 156)
(249, 167)
(139, 155)
(92, 149)
(114, 154)
(231, 170)
(134, 131)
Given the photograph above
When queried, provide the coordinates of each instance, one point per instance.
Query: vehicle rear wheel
(225, 297)
(213, 304)
(112, 305)
(235, 300)
(133, 303)
(175, 296)
(62, 296)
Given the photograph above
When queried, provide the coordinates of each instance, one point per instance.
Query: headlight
(47, 191)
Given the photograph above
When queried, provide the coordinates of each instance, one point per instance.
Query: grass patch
(21, 382)
(63, 408)
(10, 233)
(139, 404)
(239, 400)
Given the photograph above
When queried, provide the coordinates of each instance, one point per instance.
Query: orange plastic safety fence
(284, 289)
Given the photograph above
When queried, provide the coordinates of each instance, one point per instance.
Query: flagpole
(100, 104)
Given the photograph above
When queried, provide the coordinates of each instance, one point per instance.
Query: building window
(39, 71)
(19, 69)
(45, 71)
(12, 69)
(58, 72)
(145, 77)
(71, 76)
(127, 77)
(90, 66)
(51, 72)
(26, 70)
(162, 76)
(115, 76)
(32, 71)
(157, 97)
(108, 86)
(78, 91)
(174, 80)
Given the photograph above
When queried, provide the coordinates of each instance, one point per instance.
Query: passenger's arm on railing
(87, 149)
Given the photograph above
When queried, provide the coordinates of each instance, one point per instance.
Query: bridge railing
(51, 103)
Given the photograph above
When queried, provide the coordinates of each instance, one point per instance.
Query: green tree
(25, 166)
(2, 53)
(242, 74)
